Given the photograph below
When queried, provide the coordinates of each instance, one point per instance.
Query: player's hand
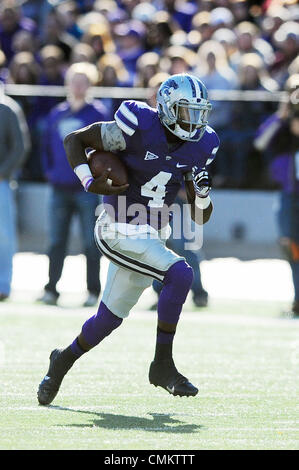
(101, 185)
(202, 182)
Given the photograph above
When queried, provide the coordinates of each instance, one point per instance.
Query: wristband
(84, 174)
(202, 202)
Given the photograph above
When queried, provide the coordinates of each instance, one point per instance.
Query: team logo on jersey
(150, 156)
(168, 157)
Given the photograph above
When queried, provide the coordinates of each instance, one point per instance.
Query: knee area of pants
(179, 278)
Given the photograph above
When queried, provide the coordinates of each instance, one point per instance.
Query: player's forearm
(78, 141)
(98, 136)
(200, 208)
(75, 150)
(201, 216)
(91, 137)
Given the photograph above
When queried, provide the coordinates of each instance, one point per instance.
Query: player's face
(190, 118)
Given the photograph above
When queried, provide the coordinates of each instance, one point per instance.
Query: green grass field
(241, 354)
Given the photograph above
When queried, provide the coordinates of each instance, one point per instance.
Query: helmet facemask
(189, 118)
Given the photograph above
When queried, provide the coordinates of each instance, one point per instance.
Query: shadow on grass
(157, 423)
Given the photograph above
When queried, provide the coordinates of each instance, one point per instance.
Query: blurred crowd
(229, 44)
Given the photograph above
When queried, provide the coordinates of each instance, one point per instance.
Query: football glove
(202, 182)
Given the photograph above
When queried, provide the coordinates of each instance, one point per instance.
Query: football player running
(162, 149)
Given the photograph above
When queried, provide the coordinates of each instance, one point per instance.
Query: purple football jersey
(155, 169)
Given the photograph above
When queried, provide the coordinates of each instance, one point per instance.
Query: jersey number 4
(156, 189)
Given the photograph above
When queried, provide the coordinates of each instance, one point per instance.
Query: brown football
(99, 161)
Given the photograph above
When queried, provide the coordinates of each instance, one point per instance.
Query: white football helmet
(183, 106)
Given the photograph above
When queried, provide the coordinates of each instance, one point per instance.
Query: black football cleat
(164, 374)
(49, 386)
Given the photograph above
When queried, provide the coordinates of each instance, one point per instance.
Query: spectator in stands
(221, 17)
(279, 134)
(239, 165)
(99, 38)
(240, 10)
(53, 33)
(12, 21)
(178, 59)
(93, 18)
(181, 12)
(249, 40)
(119, 76)
(286, 39)
(116, 17)
(24, 41)
(191, 40)
(17, 109)
(105, 7)
(253, 74)
(130, 39)
(83, 52)
(144, 12)
(51, 65)
(12, 152)
(214, 70)
(37, 10)
(228, 39)
(247, 33)
(68, 13)
(274, 17)
(112, 74)
(159, 32)
(147, 66)
(51, 58)
(24, 69)
(201, 22)
(67, 196)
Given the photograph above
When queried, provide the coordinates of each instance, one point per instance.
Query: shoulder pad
(132, 115)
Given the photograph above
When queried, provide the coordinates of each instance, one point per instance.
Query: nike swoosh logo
(171, 389)
(180, 166)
